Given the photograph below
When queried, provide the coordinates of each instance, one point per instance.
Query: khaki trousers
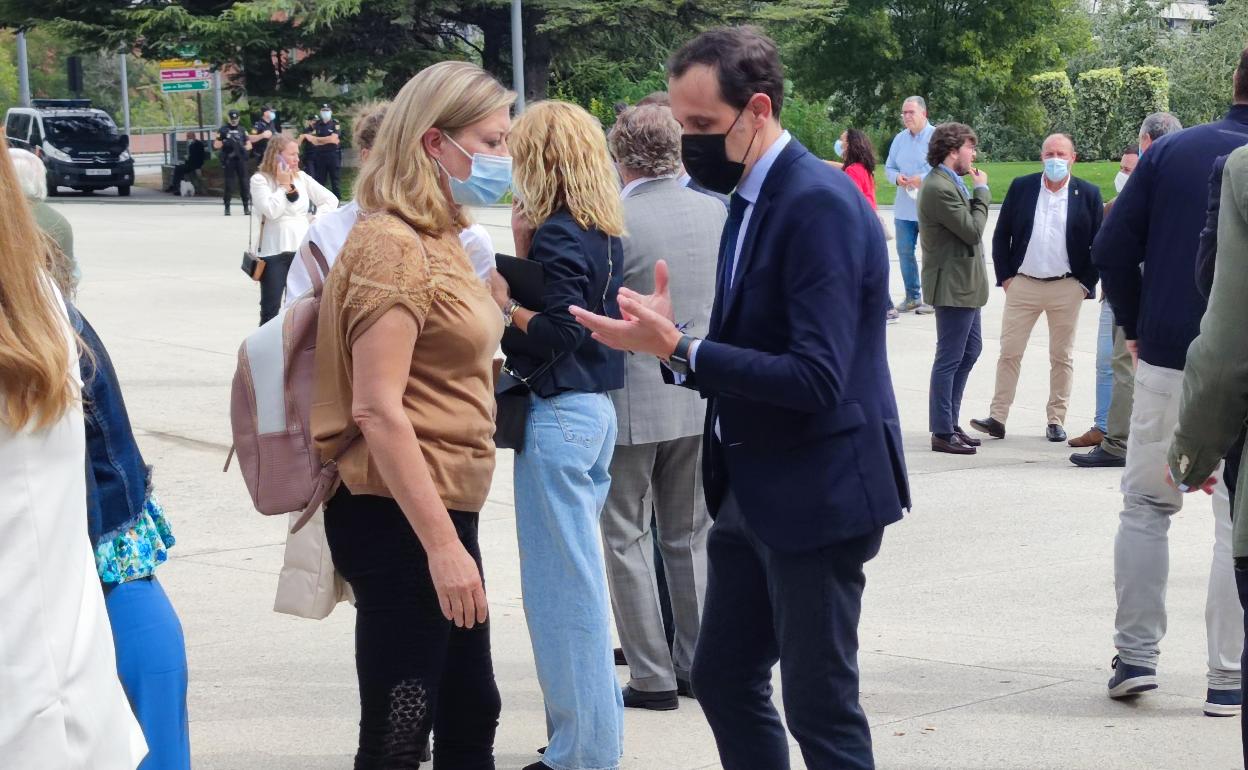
(1025, 300)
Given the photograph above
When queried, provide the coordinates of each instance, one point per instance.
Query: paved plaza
(986, 632)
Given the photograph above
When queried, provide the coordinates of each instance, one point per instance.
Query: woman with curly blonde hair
(569, 219)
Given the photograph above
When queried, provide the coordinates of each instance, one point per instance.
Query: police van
(79, 144)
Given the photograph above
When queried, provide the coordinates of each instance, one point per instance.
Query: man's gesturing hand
(646, 325)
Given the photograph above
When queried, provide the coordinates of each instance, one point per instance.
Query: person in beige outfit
(1042, 252)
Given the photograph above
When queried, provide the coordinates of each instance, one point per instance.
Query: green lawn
(1100, 173)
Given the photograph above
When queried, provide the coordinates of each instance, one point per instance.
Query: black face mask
(706, 159)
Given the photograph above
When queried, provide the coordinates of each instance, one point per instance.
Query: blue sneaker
(1131, 680)
(1223, 703)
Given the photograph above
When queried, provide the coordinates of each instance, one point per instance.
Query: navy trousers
(802, 610)
(959, 342)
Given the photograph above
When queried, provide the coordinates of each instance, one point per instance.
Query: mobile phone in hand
(281, 163)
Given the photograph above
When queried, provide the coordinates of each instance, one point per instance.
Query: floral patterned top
(135, 553)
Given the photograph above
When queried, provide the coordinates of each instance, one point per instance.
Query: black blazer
(576, 270)
(1084, 212)
(795, 367)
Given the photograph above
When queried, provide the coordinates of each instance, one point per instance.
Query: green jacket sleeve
(965, 219)
(1215, 379)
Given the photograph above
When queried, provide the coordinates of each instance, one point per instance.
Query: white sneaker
(924, 309)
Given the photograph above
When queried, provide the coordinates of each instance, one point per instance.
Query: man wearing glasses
(906, 167)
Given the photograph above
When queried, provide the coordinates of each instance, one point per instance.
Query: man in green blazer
(1215, 378)
(955, 280)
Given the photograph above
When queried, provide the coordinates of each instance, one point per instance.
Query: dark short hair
(746, 62)
(661, 98)
(947, 138)
(1241, 78)
(1132, 149)
(858, 149)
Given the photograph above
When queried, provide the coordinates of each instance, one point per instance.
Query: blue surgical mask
(326, 115)
(488, 181)
(839, 148)
(1056, 169)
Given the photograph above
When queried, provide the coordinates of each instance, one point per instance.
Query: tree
(961, 55)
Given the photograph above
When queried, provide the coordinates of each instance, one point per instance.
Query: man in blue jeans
(907, 167)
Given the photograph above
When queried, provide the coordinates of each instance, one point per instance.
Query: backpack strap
(316, 264)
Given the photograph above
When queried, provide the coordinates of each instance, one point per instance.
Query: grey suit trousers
(665, 477)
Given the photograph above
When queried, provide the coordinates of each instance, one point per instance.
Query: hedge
(1098, 94)
(1144, 91)
(1057, 97)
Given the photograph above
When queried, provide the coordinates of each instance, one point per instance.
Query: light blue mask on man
(1056, 169)
(488, 181)
(838, 147)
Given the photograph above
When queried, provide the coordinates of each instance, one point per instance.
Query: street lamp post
(517, 54)
(23, 71)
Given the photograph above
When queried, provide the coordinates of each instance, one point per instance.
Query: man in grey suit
(657, 463)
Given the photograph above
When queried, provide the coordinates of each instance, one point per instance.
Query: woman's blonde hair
(399, 176)
(560, 161)
(35, 383)
(268, 164)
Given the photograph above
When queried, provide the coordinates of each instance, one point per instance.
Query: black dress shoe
(952, 445)
(684, 688)
(537, 766)
(1055, 433)
(620, 660)
(1098, 458)
(991, 426)
(965, 438)
(654, 701)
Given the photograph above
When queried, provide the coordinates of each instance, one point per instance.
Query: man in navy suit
(1042, 251)
(803, 464)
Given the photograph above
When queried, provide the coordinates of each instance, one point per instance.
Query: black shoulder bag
(512, 391)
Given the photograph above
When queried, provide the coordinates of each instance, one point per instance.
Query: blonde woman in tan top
(404, 401)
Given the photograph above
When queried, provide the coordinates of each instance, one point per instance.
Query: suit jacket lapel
(775, 179)
(748, 239)
(1072, 211)
(717, 307)
(1029, 220)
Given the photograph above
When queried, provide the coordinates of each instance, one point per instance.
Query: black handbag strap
(546, 367)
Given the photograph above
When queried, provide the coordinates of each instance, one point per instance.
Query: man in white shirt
(1042, 251)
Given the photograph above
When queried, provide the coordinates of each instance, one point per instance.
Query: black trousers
(417, 671)
(235, 168)
(179, 172)
(273, 284)
(800, 609)
(327, 170)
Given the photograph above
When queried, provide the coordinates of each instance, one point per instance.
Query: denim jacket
(118, 481)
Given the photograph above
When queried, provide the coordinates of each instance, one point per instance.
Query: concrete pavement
(986, 634)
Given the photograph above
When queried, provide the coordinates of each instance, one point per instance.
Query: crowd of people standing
(688, 373)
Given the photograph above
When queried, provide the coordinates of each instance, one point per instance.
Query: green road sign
(186, 85)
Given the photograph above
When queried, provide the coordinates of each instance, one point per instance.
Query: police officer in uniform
(325, 150)
(307, 161)
(233, 143)
(261, 132)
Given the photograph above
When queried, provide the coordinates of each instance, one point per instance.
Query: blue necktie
(732, 231)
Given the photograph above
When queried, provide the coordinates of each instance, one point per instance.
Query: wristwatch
(509, 312)
(679, 360)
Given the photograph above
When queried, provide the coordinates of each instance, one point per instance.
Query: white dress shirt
(1046, 251)
(633, 185)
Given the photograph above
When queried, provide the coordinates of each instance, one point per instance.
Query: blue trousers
(801, 609)
(959, 342)
(151, 663)
(1104, 367)
(561, 482)
(907, 239)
